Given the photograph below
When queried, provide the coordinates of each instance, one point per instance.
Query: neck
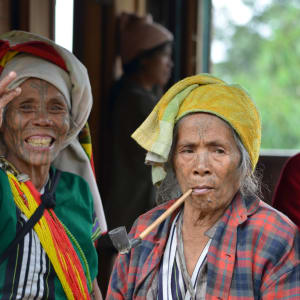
(197, 222)
(143, 80)
(38, 174)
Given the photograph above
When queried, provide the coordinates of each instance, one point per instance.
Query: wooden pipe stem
(167, 213)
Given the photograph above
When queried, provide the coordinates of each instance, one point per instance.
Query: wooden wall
(4, 16)
(30, 15)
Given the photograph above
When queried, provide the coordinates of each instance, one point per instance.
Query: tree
(264, 57)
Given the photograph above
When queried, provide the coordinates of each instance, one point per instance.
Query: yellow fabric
(7, 57)
(199, 93)
(88, 149)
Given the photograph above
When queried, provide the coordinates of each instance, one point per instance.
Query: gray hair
(250, 181)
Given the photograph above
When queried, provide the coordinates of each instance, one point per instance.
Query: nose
(201, 164)
(42, 118)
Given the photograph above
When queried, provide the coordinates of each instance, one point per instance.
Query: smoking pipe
(119, 236)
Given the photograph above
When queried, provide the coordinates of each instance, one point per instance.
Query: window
(64, 23)
(257, 44)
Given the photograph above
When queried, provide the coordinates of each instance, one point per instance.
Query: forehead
(35, 87)
(204, 124)
(35, 83)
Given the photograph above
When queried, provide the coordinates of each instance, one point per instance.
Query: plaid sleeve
(287, 286)
(117, 288)
(283, 281)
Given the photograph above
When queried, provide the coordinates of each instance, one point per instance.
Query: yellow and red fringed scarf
(53, 239)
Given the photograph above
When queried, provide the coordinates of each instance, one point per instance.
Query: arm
(283, 280)
(287, 286)
(96, 291)
(117, 288)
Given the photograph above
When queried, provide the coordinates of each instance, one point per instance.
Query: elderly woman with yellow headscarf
(51, 211)
(224, 242)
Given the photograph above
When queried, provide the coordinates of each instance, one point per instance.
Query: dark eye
(220, 150)
(57, 108)
(27, 107)
(186, 150)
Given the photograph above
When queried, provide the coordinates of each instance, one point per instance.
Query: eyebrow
(26, 100)
(209, 143)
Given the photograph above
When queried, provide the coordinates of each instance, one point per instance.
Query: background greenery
(263, 56)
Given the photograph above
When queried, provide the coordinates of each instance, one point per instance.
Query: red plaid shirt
(254, 255)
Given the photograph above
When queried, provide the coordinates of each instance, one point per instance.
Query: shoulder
(268, 218)
(279, 219)
(127, 92)
(270, 231)
(73, 189)
(72, 179)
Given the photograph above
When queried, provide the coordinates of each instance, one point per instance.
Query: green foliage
(268, 66)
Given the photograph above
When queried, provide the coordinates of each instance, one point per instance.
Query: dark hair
(135, 65)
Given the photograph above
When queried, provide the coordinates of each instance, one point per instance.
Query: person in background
(145, 49)
(224, 242)
(287, 192)
(51, 211)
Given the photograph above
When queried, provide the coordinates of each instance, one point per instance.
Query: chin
(203, 204)
(39, 161)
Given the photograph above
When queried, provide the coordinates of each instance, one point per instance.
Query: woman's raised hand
(7, 95)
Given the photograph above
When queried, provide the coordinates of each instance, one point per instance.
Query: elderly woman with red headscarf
(224, 242)
(48, 193)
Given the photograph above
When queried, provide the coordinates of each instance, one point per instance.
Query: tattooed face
(35, 125)
(206, 159)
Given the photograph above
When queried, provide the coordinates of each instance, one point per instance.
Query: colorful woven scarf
(54, 239)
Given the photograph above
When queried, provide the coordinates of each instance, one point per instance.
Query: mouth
(40, 142)
(201, 190)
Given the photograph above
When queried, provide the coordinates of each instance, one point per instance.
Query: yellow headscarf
(199, 93)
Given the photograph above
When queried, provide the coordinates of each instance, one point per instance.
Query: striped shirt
(29, 269)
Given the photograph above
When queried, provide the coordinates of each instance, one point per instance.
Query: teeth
(39, 141)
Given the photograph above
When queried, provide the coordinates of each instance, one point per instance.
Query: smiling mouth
(40, 142)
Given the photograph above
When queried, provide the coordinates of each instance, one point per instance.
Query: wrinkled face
(206, 159)
(35, 125)
(159, 66)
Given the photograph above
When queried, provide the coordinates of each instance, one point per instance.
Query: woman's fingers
(8, 96)
(6, 81)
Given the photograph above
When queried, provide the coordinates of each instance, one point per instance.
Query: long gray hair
(250, 181)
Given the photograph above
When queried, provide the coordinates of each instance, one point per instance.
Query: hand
(7, 95)
(96, 291)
